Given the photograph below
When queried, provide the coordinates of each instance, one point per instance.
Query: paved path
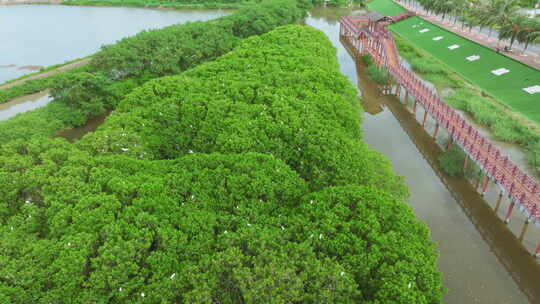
(526, 57)
(46, 74)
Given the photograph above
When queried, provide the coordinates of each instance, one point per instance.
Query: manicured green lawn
(386, 7)
(507, 88)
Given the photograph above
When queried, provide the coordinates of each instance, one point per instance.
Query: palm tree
(513, 28)
(534, 35)
(444, 7)
(504, 10)
(527, 34)
(499, 14)
(460, 6)
(473, 17)
(489, 15)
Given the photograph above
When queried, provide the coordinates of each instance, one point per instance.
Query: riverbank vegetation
(43, 70)
(241, 180)
(452, 161)
(35, 85)
(375, 73)
(461, 95)
(134, 60)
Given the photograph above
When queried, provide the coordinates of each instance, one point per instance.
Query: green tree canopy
(244, 180)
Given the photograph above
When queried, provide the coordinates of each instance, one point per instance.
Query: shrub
(84, 92)
(375, 73)
(452, 161)
(427, 66)
(135, 60)
(231, 216)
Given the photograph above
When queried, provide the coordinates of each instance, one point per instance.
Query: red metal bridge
(369, 35)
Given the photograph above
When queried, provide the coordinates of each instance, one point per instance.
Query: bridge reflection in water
(369, 35)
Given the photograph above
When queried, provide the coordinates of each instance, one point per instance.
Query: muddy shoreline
(45, 74)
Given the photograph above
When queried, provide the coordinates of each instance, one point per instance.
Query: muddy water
(43, 35)
(479, 257)
(23, 104)
(91, 125)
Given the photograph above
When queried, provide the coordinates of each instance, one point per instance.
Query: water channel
(473, 271)
(477, 252)
(26, 32)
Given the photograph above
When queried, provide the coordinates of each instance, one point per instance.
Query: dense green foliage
(375, 73)
(29, 87)
(243, 180)
(34, 85)
(175, 48)
(146, 55)
(452, 161)
(200, 119)
(84, 92)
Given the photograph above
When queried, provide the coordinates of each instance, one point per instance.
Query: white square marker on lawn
(500, 71)
(438, 38)
(473, 58)
(423, 31)
(532, 90)
(453, 47)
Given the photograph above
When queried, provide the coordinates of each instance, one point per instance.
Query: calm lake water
(43, 35)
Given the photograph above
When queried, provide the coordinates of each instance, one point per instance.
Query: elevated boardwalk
(368, 36)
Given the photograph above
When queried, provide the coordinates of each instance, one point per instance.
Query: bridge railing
(521, 188)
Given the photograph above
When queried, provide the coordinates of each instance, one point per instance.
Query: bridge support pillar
(498, 202)
(484, 185)
(414, 108)
(537, 252)
(425, 118)
(509, 213)
(436, 131)
(449, 145)
(465, 163)
(406, 97)
(478, 181)
(524, 229)
(398, 91)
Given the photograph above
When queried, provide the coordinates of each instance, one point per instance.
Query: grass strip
(507, 88)
(34, 85)
(504, 124)
(386, 7)
(44, 70)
